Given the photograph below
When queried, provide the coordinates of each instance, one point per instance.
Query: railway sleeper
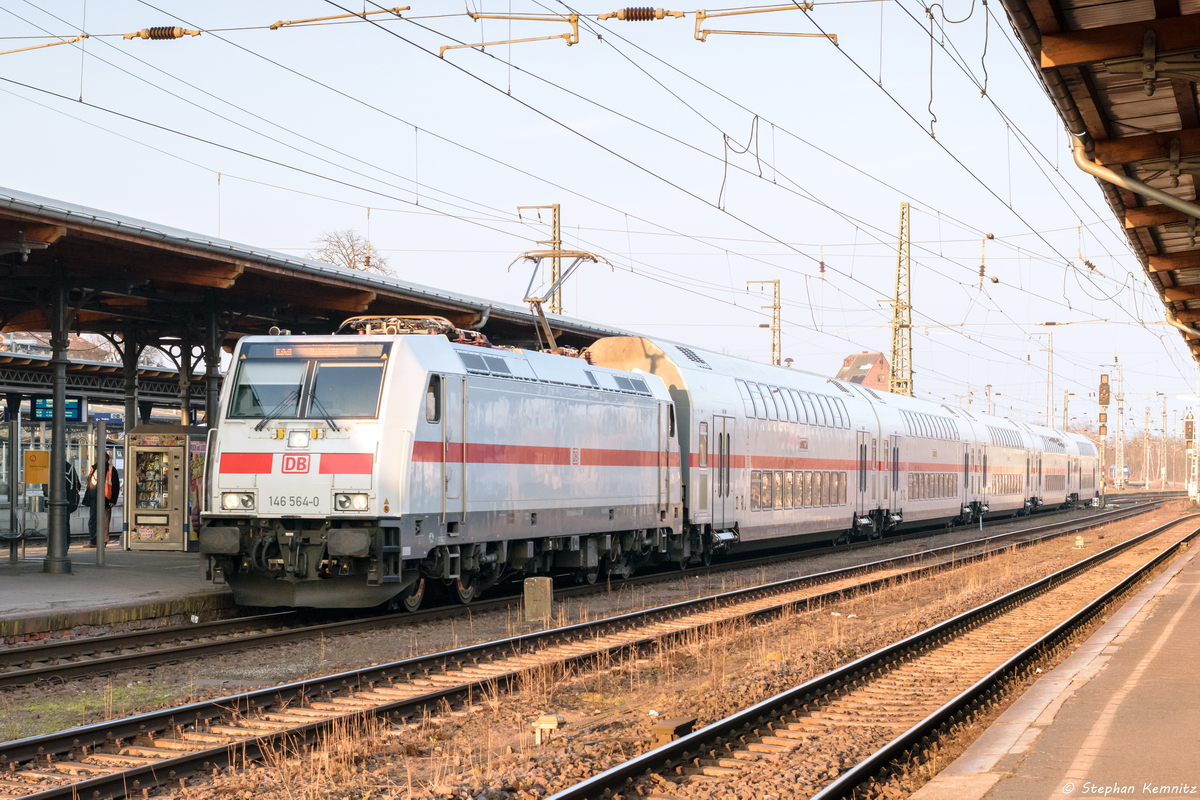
(122, 758)
(179, 745)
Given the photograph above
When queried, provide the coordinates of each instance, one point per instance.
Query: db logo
(293, 463)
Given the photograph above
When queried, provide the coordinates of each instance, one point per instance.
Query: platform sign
(109, 416)
(37, 466)
(75, 408)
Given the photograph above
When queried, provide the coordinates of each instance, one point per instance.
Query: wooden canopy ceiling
(122, 272)
(1124, 75)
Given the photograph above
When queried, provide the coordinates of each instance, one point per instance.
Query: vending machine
(164, 470)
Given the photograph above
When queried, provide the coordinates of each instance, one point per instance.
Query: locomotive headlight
(237, 501)
(297, 438)
(350, 502)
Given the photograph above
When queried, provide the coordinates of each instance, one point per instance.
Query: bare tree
(349, 249)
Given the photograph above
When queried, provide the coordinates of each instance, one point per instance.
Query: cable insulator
(640, 14)
(162, 32)
(822, 268)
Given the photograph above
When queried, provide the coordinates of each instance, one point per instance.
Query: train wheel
(707, 557)
(589, 576)
(466, 588)
(413, 596)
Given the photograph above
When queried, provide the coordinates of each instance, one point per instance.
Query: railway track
(121, 757)
(103, 655)
(892, 704)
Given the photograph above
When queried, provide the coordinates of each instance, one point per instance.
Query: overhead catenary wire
(669, 234)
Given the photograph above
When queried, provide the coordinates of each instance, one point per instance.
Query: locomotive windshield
(308, 381)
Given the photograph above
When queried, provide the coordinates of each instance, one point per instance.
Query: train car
(355, 471)
(865, 462)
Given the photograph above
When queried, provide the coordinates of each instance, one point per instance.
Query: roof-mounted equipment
(536, 301)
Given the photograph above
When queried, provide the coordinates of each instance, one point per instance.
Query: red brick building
(868, 369)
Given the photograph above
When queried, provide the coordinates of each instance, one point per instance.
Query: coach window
(785, 397)
(788, 490)
(769, 402)
(819, 409)
(756, 398)
(433, 399)
(746, 398)
(703, 445)
(755, 490)
(671, 421)
(779, 490)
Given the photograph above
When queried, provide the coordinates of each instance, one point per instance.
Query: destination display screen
(315, 350)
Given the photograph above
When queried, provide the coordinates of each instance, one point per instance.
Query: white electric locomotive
(354, 471)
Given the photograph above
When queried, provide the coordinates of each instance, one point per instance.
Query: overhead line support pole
(900, 381)
(555, 244)
(776, 322)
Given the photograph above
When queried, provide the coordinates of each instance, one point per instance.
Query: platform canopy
(162, 283)
(1123, 78)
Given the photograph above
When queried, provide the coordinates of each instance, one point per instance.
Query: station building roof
(1122, 76)
(121, 271)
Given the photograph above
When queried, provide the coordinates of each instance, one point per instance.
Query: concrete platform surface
(1120, 717)
(132, 586)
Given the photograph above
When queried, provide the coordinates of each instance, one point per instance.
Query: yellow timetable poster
(37, 466)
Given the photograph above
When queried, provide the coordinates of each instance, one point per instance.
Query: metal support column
(14, 472)
(185, 378)
(130, 351)
(212, 364)
(59, 522)
(99, 508)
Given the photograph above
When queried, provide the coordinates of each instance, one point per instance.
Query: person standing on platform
(112, 490)
(71, 485)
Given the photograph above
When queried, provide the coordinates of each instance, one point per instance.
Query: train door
(965, 491)
(865, 443)
(454, 451)
(722, 483)
(665, 425)
(898, 486)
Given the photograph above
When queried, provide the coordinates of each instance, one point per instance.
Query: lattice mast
(555, 305)
(1162, 448)
(1119, 480)
(900, 378)
(776, 322)
(1146, 449)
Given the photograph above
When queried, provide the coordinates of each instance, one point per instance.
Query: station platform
(133, 589)
(1120, 717)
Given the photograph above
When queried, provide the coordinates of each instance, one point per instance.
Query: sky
(692, 167)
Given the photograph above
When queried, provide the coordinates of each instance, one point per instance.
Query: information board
(75, 408)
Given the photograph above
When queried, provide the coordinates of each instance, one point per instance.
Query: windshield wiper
(291, 397)
(325, 415)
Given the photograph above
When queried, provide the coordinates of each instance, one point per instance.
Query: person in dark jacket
(112, 490)
(71, 485)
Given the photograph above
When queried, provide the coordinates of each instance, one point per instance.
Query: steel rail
(53, 654)
(963, 706)
(680, 752)
(111, 734)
